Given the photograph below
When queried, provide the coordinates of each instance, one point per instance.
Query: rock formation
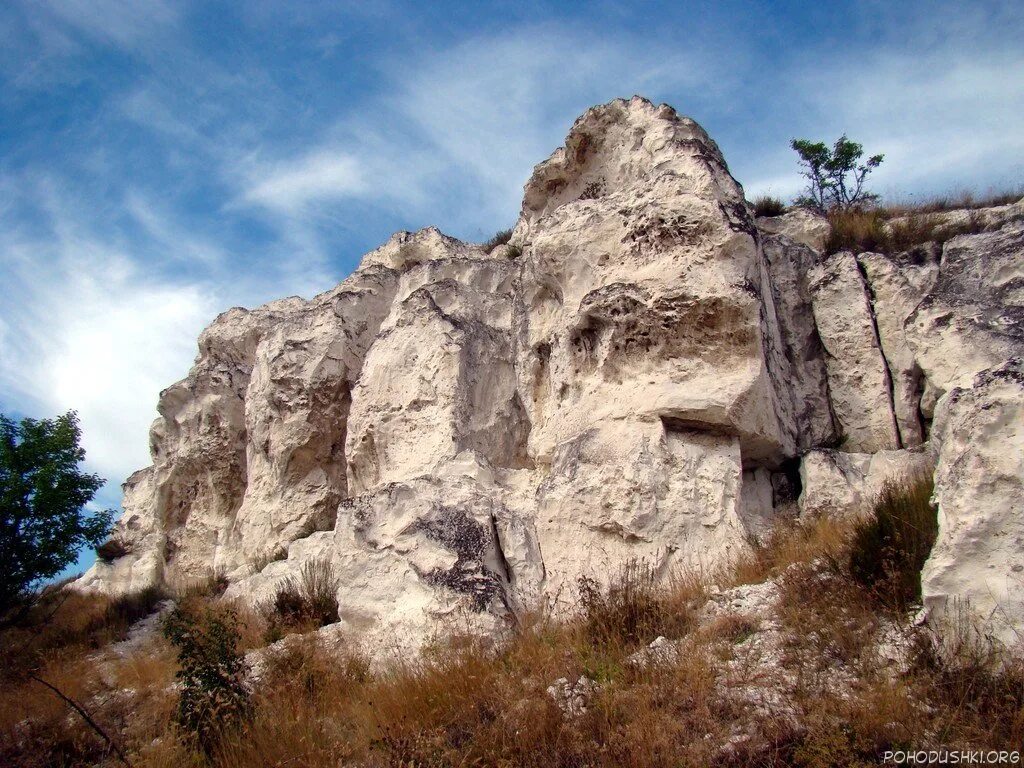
(642, 372)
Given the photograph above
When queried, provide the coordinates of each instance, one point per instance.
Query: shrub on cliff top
(766, 205)
(835, 176)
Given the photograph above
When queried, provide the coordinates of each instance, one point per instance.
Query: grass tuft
(766, 205)
(309, 601)
(900, 227)
(500, 238)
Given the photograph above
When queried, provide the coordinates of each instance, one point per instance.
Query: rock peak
(616, 146)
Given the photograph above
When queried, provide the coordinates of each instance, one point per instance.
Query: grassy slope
(471, 701)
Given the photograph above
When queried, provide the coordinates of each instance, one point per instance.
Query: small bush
(214, 697)
(500, 238)
(311, 600)
(889, 549)
(766, 205)
(835, 176)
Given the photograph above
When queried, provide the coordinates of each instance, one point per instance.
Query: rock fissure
(881, 350)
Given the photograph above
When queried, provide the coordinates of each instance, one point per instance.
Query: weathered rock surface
(973, 316)
(896, 286)
(847, 484)
(800, 225)
(859, 384)
(644, 372)
(978, 561)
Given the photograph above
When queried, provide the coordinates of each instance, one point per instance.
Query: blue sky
(162, 161)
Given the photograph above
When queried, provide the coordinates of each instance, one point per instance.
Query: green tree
(835, 176)
(43, 493)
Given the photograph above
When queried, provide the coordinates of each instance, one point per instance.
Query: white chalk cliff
(643, 372)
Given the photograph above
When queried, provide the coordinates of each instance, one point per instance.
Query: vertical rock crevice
(870, 293)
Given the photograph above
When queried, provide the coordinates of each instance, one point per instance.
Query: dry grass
(68, 624)
(900, 227)
(861, 231)
(479, 701)
(126, 696)
(952, 202)
(788, 544)
(633, 609)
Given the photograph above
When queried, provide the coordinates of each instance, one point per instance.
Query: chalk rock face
(840, 484)
(642, 373)
(790, 264)
(973, 316)
(648, 345)
(896, 285)
(978, 561)
(800, 225)
(858, 376)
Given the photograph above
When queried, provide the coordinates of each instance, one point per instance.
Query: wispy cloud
(322, 175)
(114, 21)
(454, 133)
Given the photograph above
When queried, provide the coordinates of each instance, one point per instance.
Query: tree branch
(85, 716)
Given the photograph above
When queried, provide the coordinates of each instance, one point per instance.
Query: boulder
(836, 484)
(975, 575)
(800, 225)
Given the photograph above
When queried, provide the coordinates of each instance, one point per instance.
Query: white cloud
(87, 328)
(96, 335)
(457, 131)
(322, 175)
(943, 118)
(945, 115)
